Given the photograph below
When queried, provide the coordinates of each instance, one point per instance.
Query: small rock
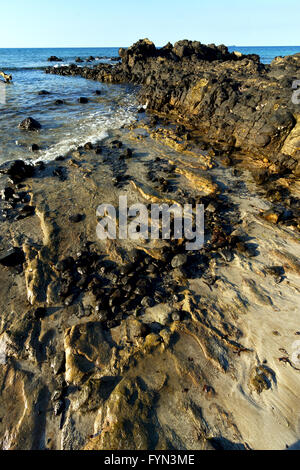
(58, 363)
(271, 216)
(35, 148)
(127, 153)
(261, 378)
(69, 300)
(53, 58)
(226, 161)
(76, 218)
(147, 302)
(248, 250)
(40, 313)
(12, 257)
(27, 211)
(88, 146)
(83, 100)
(212, 207)
(274, 270)
(179, 260)
(7, 193)
(59, 407)
(60, 172)
(210, 392)
(30, 124)
(17, 170)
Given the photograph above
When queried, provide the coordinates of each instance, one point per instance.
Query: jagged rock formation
(139, 344)
(229, 98)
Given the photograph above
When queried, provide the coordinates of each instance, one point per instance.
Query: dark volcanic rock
(12, 257)
(260, 175)
(53, 58)
(7, 193)
(30, 124)
(76, 218)
(35, 148)
(17, 170)
(231, 98)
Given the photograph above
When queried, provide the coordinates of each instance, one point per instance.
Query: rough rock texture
(230, 98)
(135, 344)
(140, 344)
(30, 124)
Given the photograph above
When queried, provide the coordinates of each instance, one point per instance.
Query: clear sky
(100, 23)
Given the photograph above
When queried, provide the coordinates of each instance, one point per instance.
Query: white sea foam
(93, 128)
(60, 65)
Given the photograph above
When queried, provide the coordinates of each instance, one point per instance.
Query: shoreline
(97, 335)
(231, 98)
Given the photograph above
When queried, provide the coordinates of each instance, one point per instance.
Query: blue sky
(98, 23)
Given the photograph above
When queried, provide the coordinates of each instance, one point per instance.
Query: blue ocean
(72, 124)
(267, 54)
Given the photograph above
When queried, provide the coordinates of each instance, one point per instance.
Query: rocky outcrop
(229, 98)
(140, 344)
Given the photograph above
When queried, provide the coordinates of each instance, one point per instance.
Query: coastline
(82, 344)
(229, 98)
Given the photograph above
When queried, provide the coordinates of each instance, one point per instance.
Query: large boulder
(139, 51)
(30, 124)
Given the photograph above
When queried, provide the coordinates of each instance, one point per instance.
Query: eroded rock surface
(231, 98)
(141, 344)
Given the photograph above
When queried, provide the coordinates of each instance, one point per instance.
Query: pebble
(147, 302)
(178, 260)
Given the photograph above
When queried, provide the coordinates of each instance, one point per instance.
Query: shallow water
(71, 124)
(63, 126)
